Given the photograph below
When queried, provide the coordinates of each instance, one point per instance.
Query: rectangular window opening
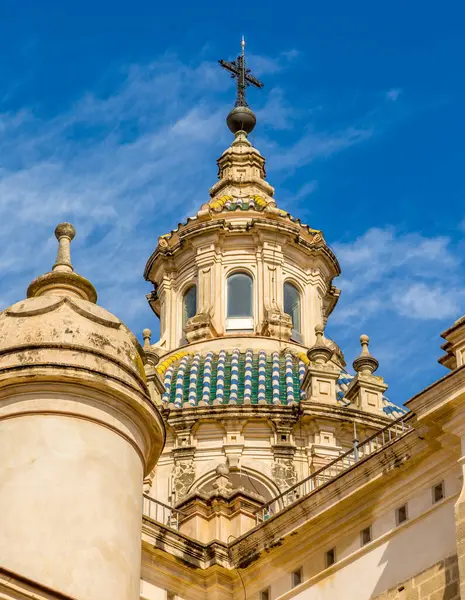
(401, 514)
(330, 557)
(297, 577)
(365, 536)
(438, 492)
(265, 594)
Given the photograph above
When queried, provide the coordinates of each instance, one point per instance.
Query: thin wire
(236, 568)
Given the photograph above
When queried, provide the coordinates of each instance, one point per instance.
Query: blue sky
(112, 117)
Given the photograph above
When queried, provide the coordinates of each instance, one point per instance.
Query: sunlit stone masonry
(238, 456)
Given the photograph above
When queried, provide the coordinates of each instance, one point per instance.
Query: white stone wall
(395, 555)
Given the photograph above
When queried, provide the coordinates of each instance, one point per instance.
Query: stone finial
(62, 280)
(319, 353)
(64, 233)
(365, 364)
(147, 335)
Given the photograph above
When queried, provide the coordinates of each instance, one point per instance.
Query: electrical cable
(236, 568)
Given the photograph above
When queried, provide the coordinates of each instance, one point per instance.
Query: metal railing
(160, 512)
(343, 462)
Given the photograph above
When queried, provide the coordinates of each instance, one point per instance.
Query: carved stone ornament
(284, 473)
(183, 478)
(277, 324)
(199, 327)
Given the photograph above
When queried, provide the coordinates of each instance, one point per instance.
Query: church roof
(236, 377)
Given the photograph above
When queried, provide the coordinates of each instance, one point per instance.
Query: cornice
(311, 241)
(434, 398)
(192, 552)
(17, 586)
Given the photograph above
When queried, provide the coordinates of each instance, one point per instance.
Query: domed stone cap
(241, 118)
(59, 326)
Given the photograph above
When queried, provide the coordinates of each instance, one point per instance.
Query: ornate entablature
(243, 290)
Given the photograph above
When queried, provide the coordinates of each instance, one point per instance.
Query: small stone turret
(366, 390)
(78, 431)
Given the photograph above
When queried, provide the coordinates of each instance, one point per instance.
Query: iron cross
(238, 69)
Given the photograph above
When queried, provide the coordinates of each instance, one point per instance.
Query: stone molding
(14, 586)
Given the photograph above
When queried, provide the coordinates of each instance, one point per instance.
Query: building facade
(236, 457)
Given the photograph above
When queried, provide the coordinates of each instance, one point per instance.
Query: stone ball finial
(64, 233)
(319, 331)
(319, 353)
(65, 230)
(365, 363)
(62, 280)
(241, 118)
(146, 334)
(364, 341)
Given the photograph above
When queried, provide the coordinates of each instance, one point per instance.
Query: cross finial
(240, 72)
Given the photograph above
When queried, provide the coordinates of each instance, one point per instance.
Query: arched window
(292, 308)
(239, 302)
(189, 304)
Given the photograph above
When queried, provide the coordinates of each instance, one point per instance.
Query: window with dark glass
(239, 311)
(292, 308)
(189, 304)
(401, 514)
(365, 536)
(297, 577)
(239, 295)
(330, 557)
(265, 594)
(438, 492)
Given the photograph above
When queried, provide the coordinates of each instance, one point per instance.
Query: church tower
(254, 396)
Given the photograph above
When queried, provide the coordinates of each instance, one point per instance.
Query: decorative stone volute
(365, 363)
(199, 327)
(277, 324)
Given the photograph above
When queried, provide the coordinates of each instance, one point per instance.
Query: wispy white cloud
(393, 94)
(125, 163)
(407, 274)
(304, 191)
(422, 301)
(265, 65)
(317, 144)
